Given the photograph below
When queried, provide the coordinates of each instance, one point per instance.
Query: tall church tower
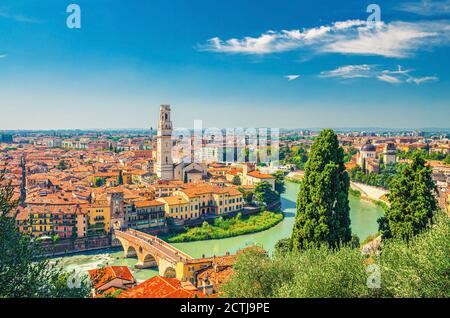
(164, 163)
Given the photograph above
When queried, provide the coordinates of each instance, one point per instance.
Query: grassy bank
(294, 180)
(223, 228)
(355, 193)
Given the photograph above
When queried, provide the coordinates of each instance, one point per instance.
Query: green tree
(418, 268)
(255, 276)
(62, 165)
(99, 182)
(323, 211)
(236, 180)
(283, 246)
(265, 194)
(348, 155)
(24, 272)
(120, 178)
(412, 201)
(447, 159)
(279, 182)
(247, 195)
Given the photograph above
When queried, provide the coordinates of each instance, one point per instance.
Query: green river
(363, 216)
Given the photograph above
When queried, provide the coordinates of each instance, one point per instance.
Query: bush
(354, 192)
(418, 268)
(317, 272)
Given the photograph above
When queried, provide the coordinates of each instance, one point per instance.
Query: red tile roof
(259, 175)
(147, 203)
(160, 287)
(103, 276)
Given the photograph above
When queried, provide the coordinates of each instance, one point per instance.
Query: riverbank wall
(370, 193)
(70, 246)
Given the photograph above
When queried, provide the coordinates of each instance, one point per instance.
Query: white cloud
(396, 76)
(349, 71)
(277, 41)
(426, 7)
(3, 56)
(399, 71)
(395, 39)
(389, 79)
(292, 77)
(421, 80)
(17, 17)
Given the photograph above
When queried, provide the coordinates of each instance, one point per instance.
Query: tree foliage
(417, 268)
(322, 204)
(382, 179)
(233, 226)
(297, 155)
(412, 201)
(424, 154)
(279, 182)
(236, 180)
(23, 271)
(247, 195)
(120, 178)
(62, 165)
(99, 182)
(264, 193)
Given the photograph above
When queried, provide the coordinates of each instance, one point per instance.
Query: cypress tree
(120, 178)
(323, 211)
(412, 201)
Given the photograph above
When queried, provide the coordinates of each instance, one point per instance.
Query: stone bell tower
(164, 163)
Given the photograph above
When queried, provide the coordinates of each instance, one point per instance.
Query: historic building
(164, 167)
(367, 158)
(111, 279)
(389, 154)
(190, 172)
(367, 152)
(164, 163)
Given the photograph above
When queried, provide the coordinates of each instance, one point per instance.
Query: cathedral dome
(368, 147)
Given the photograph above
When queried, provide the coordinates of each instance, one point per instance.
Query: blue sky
(230, 63)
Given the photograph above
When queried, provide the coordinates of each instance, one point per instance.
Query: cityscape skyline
(229, 151)
(302, 65)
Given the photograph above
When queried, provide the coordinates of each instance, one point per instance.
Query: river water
(363, 216)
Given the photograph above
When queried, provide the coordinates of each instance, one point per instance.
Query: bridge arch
(130, 252)
(149, 261)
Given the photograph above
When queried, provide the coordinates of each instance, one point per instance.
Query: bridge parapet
(146, 244)
(157, 240)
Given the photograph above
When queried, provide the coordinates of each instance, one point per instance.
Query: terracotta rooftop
(160, 287)
(147, 203)
(103, 276)
(259, 175)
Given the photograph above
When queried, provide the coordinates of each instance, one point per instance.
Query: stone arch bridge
(151, 251)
